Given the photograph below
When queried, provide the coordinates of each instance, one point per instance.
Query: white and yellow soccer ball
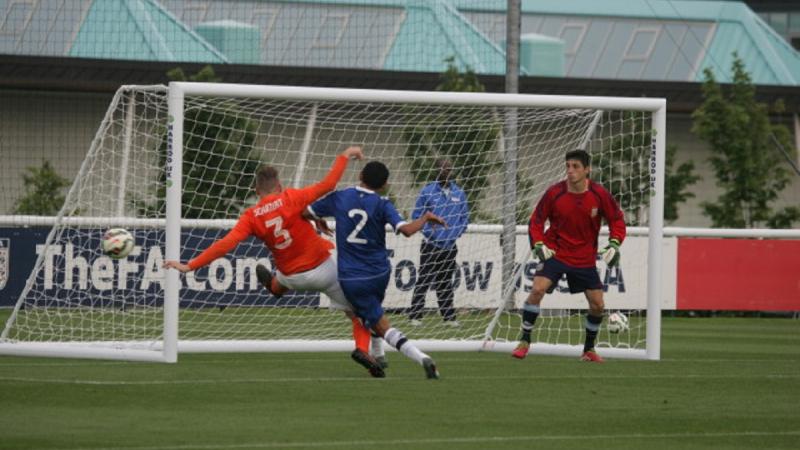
(117, 243)
(617, 323)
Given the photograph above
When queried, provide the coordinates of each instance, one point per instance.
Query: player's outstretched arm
(177, 266)
(412, 227)
(315, 191)
(218, 249)
(353, 152)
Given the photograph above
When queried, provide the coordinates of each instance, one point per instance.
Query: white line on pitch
(456, 440)
(365, 379)
(443, 358)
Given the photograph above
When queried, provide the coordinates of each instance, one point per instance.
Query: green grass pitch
(721, 383)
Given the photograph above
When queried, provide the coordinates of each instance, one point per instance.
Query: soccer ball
(117, 243)
(617, 323)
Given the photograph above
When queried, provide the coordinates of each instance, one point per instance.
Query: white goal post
(174, 165)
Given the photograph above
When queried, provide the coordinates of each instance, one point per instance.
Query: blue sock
(529, 315)
(592, 327)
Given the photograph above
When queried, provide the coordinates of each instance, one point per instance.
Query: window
(794, 23)
(779, 22)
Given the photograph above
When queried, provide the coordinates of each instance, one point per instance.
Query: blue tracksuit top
(449, 203)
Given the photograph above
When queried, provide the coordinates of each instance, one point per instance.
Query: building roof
(449, 34)
(638, 40)
(768, 57)
(140, 30)
(671, 40)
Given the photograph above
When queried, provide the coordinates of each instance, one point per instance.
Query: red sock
(361, 335)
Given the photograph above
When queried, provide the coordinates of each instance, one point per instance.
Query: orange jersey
(277, 220)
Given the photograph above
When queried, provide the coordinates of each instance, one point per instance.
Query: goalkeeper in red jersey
(574, 208)
(302, 257)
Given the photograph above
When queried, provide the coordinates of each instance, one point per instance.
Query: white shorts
(322, 278)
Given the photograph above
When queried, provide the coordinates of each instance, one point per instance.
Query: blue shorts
(366, 295)
(579, 279)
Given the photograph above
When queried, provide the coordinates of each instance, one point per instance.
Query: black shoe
(382, 361)
(265, 278)
(430, 369)
(369, 363)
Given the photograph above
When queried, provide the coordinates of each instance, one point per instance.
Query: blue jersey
(361, 218)
(449, 203)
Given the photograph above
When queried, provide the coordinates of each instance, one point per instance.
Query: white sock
(398, 340)
(377, 347)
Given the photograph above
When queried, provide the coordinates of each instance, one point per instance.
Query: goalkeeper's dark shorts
(579, 279)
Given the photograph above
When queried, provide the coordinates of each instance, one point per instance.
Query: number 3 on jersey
(352, 237)
(282, 237)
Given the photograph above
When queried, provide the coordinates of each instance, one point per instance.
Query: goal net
(175, 166)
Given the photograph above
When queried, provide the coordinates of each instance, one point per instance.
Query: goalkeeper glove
(542, 251)
(611, 253)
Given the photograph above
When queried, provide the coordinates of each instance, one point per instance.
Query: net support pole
(301, 165)
(590, 131)
(513, 24)
(508, 237)
(130, 110)
(172, 282)
(657, 162)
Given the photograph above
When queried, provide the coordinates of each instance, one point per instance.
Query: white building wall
(691, 148)
(42, 125)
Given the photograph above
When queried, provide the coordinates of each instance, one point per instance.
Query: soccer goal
(174, 166)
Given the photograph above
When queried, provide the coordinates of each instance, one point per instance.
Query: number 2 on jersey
(279, 233)
(353, 236)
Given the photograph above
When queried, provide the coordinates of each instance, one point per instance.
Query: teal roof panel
(433, 31)
(139, 30)
(692, 35)
(654, 40)
(768, 58)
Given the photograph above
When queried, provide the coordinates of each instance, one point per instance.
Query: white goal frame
(167, 350)
(178, 90)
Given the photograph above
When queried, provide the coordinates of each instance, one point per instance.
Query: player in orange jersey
(302, 257)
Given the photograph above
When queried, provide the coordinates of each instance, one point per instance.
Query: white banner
(77, 265)
(479, 276)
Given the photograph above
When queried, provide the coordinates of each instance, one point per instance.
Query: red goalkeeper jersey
(575, 221)
(277, 220)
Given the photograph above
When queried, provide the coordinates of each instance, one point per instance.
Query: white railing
(223, 224)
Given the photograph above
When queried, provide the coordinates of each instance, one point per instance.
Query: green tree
(204, 75)
(462, 135)
(676, 184)
(623, 167)
(218, 162)
(43, 187)
(747, 166)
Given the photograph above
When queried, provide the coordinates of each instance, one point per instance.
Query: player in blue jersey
(437, 253)
(363, 263)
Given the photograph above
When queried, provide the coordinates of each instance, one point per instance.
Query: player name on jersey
(268, 208)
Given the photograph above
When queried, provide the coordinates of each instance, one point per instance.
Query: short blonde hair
(266, 179)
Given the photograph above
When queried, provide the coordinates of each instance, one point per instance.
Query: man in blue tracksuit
(446, 199)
